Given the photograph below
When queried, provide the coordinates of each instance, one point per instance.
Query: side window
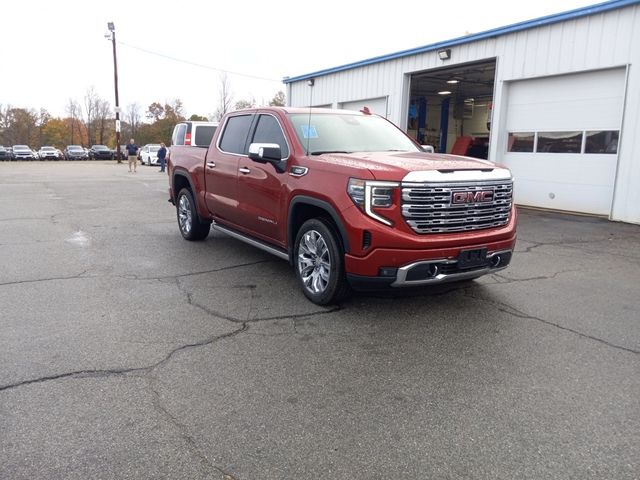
(204, 134)
(235, 134)
(178, 134)
(268, 131)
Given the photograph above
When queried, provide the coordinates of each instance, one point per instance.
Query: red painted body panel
(254, 198)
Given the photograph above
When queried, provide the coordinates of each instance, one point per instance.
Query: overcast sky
(53, 51)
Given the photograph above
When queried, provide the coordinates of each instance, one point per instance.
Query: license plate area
(476, 257)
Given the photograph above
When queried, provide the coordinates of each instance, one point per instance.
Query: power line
(200, 65)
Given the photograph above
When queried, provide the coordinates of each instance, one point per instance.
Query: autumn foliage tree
(92, 121)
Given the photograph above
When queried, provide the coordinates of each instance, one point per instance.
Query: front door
(261, 189)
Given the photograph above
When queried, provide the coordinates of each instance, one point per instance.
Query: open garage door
(450, 108)
(562, 139)
(375, 105)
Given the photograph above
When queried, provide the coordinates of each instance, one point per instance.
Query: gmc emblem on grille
(472, 197)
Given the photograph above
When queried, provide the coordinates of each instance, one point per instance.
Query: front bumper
(430, 272)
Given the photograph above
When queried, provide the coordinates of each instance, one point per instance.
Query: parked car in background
(49, 153)
(149, 154)
(23, 152)
(75, 152)
(5, 154)
(101, 152)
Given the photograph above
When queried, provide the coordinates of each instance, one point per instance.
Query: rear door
(261, 187)
(221, 168)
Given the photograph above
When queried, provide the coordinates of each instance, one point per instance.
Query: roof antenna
(311, 82)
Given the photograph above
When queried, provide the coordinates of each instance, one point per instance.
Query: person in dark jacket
(162, 155)
(132, 150)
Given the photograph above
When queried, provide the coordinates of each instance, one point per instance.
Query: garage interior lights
(444, 92)
(453, 80)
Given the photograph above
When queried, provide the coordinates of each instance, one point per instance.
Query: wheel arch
(301, 209)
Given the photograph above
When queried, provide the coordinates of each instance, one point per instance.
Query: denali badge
(472, 197)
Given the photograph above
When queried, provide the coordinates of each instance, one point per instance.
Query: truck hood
(395, 166)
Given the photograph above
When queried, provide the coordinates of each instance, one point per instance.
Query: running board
(251, 241)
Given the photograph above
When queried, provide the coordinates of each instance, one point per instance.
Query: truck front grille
(460, 207)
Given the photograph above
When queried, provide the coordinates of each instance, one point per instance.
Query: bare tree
(132, 117)
(226, 97)
(103, 115)
(90, 106)
(75, 112)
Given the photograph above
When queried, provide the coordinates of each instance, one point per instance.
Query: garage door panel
(596, 171)
(561, 196)
(551, 116)
(579, 102)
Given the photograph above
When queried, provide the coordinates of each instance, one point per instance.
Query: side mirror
(265, 152)
(428, 148)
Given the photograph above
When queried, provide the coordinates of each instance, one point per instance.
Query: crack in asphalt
(507, 280)
(184, 433)
(83, 274)
(191, 274)
(50, 279)
(510, 310)
(103, 373)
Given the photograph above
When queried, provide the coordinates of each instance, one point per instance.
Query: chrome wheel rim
(184, 214)
(314, 262)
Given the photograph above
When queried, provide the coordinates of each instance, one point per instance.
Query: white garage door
(562, 138)
(375, 105)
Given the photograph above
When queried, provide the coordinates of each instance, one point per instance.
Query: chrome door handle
(211, 164)
(244, 170)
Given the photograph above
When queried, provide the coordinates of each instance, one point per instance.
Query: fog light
(388, 272)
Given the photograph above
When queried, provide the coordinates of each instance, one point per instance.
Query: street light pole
(112, 29)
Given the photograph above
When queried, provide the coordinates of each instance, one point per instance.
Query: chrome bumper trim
(401, 278)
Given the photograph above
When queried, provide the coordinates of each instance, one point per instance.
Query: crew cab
(347, 198)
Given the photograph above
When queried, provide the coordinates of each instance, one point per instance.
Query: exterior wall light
(444, 54)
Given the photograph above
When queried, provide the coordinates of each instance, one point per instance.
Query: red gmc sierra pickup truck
(347, 198)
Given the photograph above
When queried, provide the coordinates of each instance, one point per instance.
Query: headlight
(371, 194)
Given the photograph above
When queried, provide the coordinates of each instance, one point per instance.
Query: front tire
(189, 223)
(319, 262)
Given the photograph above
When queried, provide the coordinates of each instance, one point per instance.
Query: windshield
(154, 149)
(21, 147)
(75, 147)
(346, 132)
(100, 147)
(48, 148)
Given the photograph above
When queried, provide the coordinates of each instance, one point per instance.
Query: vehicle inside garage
(450, 108)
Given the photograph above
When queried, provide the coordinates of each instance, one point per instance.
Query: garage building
(556, 99)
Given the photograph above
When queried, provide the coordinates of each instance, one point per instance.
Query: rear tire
(191, 226)
(319, 262)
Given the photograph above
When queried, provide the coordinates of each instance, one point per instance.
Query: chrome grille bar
(429, 207)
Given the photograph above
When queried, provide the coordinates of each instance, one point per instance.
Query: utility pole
(112, 30)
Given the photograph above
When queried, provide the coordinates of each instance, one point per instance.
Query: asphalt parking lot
(129, 353)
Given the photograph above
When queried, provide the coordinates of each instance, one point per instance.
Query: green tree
(198, 118)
